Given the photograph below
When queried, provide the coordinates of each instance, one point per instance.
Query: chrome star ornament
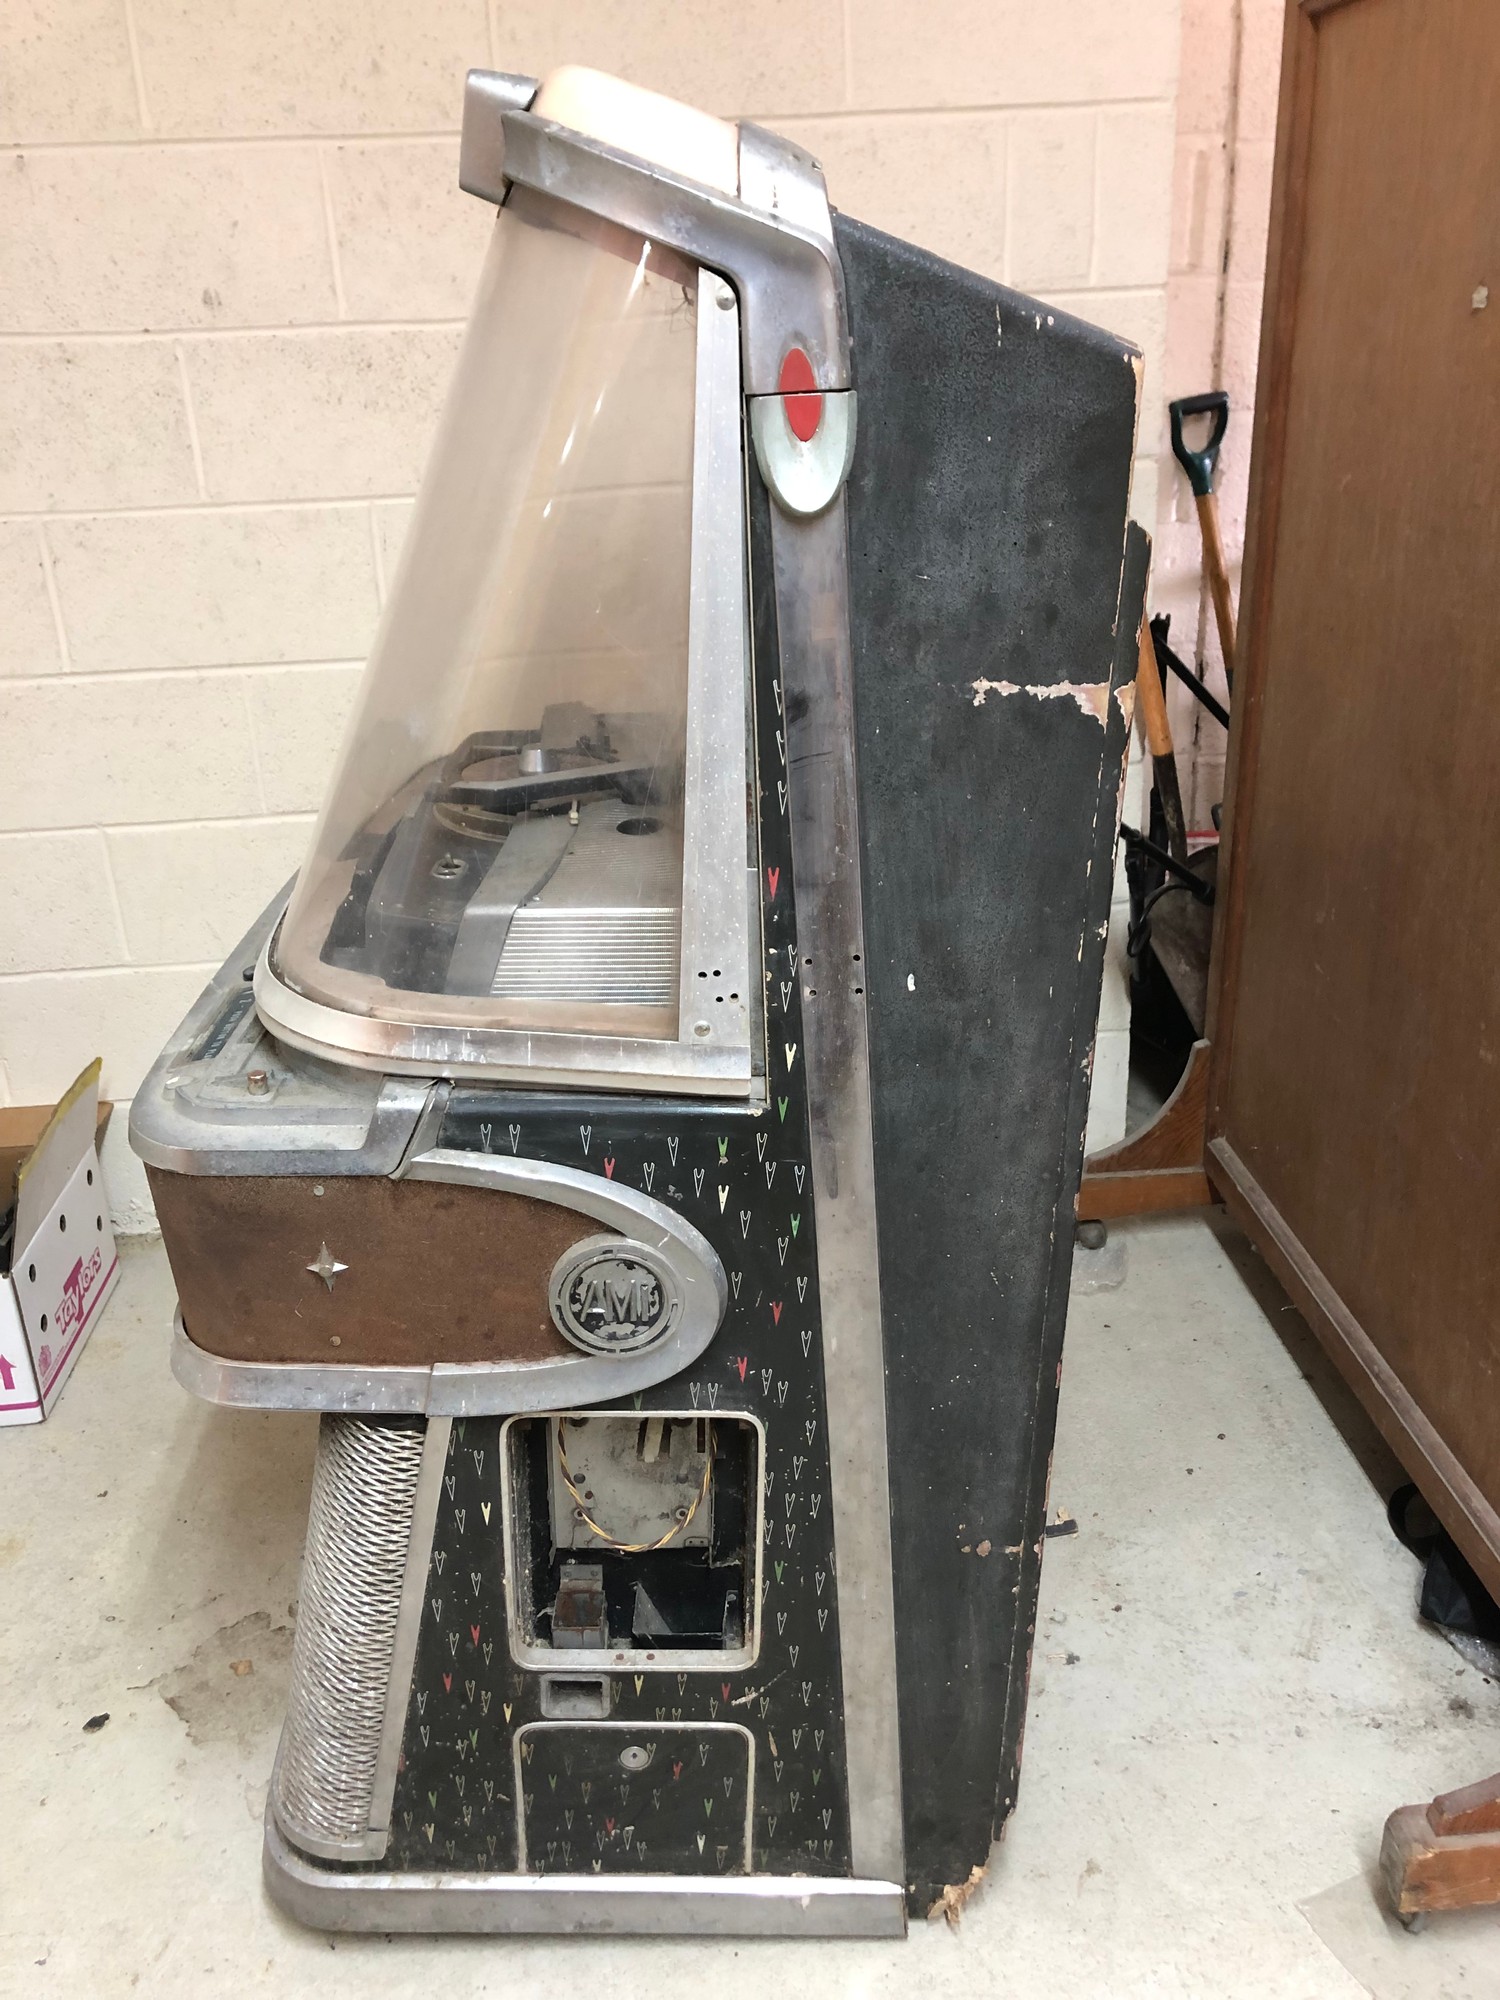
(326, 1266)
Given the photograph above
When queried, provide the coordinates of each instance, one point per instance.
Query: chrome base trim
(332, 1899)
(480, 1389)
(296, 1385)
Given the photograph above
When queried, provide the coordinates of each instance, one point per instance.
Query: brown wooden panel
(1160, 1167)
(1357, 1049)
(1463, 1509)
(435, 1272)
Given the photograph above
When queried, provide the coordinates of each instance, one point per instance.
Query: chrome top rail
(781, 260)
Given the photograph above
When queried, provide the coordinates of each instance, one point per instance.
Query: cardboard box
(57, 1260)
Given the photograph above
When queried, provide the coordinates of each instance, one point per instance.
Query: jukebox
(648, 1128)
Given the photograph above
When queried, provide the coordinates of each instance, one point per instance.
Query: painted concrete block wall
(1221, 203)
(233, 268)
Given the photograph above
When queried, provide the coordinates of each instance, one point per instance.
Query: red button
(804, 403)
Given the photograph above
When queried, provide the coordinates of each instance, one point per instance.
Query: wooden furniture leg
(1161, 1166)
(1443, 1856)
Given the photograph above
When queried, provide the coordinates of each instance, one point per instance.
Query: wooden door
(1354, 1121)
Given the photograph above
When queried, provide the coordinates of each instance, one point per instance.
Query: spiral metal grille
(359, 1525)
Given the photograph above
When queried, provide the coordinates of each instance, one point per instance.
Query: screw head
(701, 1028)
(257, 1082)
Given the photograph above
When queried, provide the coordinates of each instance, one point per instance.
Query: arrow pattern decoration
(586, 1811)
(740, 1174)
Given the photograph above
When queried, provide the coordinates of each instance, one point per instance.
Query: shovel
(1199, 467)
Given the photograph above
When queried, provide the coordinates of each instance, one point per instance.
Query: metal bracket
(488, 94)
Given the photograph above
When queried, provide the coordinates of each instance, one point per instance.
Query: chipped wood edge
(955, 1898)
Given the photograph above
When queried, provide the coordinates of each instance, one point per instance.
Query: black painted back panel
(987, 529)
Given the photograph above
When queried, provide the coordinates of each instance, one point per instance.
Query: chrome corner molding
(196, 1114)
(493, 1388)
(782, 178)
(804, 475)
(787, 273)
(334, 1899)
(488, 93)
(811, 574)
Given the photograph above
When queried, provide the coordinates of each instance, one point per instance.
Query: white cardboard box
(63, 1266)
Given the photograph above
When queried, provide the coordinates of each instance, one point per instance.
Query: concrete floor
(1231, 1690)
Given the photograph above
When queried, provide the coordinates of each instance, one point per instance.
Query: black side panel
(1091, 968)
(987, 530)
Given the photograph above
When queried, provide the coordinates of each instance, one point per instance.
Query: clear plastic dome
(502, 841)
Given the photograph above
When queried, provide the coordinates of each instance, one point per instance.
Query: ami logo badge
(612, 1297)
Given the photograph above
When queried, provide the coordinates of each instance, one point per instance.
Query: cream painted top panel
(641, 122)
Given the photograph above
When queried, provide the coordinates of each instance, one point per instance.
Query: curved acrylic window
(502, 841)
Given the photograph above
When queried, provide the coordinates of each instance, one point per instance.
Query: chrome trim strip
(810, 560)
(489, 1388)
(714, 980)
(576, 1660)
(787, 274)
(634, 1729)
(335, 1899)
(297, 1385)
(503, 1055)
(408, 1626)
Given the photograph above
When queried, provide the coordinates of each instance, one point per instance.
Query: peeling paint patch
(1091, 696)
(1125, 696)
